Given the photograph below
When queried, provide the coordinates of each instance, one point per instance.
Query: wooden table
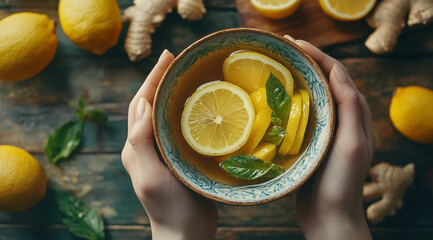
(32, 109)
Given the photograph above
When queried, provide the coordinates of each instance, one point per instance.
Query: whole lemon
(28, 43)
(22, 179)
(411, 112)
(94, 25)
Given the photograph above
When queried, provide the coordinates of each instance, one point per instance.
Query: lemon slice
(260, 125)
(217, 119)
(276, 9)
(303, 122)
(265, 151)
(250, 71)
(347, 10)
(293, 124)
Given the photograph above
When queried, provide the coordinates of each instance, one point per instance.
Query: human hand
(175, 212)
(329, 205)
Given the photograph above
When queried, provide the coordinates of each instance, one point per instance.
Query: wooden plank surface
(57, 232)
(309, 22)
(31, 109)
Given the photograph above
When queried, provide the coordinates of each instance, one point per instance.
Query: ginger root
(390, 182)
(388, 19)
(146, 15)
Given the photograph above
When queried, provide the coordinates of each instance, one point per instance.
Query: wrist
(186, 231)
(338, 226)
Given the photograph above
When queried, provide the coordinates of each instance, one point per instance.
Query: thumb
(141, 138)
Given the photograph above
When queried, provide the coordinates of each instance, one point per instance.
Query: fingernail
(289, 37)
(141, 108)
(163, 54)
(303, 42)
(339, 73)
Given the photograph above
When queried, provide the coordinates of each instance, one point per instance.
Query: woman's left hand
(175, 212)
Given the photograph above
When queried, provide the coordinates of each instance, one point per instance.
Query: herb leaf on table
(64, 140)
(81, 220)
(249, 167)
(68, 137)
(278, 100)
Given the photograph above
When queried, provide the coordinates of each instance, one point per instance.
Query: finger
(128, 160)
(349, 110)
(367, 124)
(325, 62)
(141, 140)
(289, 38)
(147, 90)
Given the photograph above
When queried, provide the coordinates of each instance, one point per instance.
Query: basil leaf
(274, 135)
(98, 117)
(277, 100)
(81, 110)
(81, 220)
(248, 167)
(275, 171)
(64, 141)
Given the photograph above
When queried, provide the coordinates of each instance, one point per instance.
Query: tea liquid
(208, 69)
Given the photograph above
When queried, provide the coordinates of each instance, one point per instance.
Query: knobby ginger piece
(146, 15)
(389, 19)
(389, 182)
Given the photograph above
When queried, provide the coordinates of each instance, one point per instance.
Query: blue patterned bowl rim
(292, 178)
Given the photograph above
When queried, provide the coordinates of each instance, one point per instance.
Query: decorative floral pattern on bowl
(292, 178)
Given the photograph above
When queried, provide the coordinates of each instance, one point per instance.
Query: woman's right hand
(330, 205)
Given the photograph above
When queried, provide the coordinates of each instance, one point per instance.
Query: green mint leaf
(98, 117)
(81, 220)
(81, 109)
(275, 171)
(277, 100)
(64, 141)
(248, 167)
(274, 135)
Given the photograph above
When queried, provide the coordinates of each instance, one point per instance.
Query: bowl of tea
(243, 116)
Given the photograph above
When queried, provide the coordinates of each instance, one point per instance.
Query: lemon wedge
(265, 151)
(276, 9)
(217, 119)
(292, 124)
(347, 10)
(250, 71)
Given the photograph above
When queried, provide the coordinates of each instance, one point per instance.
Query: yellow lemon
(347, 10)
(261, 124)
(265, 151)
(258, 98)
(276, 9)
(303, 122)
(250, 71)
(411, 112)
(217, 119)
(22, 179)
(292, 124)
(28, 43)
(94, 25)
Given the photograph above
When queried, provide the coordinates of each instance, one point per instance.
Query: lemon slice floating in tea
(293, 124)
(250, 71)
(217, 118)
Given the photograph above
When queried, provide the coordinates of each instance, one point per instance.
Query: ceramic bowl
(292, 178)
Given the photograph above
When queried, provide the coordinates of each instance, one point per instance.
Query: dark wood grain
(32, 109)
(174, 34)
(114, 81)
(236, 233)
(122, 3)
(309, 22)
